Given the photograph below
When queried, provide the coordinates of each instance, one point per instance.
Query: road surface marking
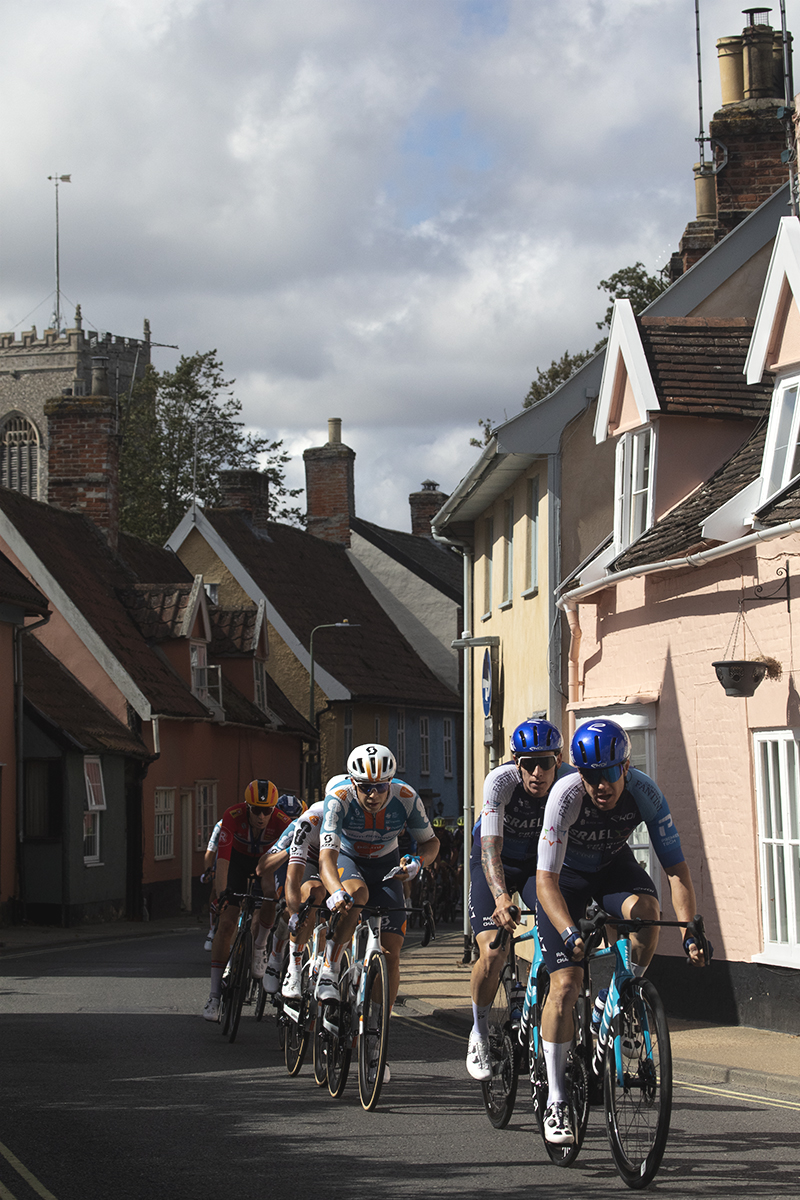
(22, 1170)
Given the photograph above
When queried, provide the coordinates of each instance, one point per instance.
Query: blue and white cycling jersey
(347, 826)
(305, 840)
(213, 841)
(511, 813)
(580, 836)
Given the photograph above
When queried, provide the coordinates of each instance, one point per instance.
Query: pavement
(435, 983)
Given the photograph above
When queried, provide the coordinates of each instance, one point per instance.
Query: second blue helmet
(536, 737)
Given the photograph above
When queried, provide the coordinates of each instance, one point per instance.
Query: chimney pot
(334, 431)
(99, 376)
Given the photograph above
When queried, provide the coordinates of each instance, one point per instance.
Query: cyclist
(271, 871)
(248, 830)
(302, 883)
(584, 855)
(362, 819)
(503, 861)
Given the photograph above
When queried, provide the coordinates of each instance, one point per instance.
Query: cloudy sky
(392, 211)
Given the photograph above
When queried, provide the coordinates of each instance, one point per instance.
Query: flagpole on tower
(56, 179)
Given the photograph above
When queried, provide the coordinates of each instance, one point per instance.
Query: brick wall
(247, 490)
(424, 507)
(84, 459)
(330, 491)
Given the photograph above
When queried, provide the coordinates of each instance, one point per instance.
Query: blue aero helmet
(536, 736)
(600, 746)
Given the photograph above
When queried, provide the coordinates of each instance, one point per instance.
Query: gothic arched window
(19, 455)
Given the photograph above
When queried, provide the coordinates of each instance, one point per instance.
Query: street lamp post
(311, 713)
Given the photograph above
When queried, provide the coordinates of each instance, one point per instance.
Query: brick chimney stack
(247, 490)
(747, 140)
(424, 507)
(330, 490)
(84, 454)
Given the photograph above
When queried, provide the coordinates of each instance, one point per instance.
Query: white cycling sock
(555, 1057)
(480, 1019)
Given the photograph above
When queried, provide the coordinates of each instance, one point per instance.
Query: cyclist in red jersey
(248, 831)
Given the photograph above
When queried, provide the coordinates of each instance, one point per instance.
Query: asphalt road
(111, 1085)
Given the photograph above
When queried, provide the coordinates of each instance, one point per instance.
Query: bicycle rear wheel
(240, 981)
(340, 1036)
(638, 1109)
(320, 1050)
(500, 1092)
(373, 1038)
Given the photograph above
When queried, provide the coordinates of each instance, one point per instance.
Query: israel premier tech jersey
(511, 813)
(580, 836)
(347, 826)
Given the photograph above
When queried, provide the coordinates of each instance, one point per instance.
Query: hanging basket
(740, 678)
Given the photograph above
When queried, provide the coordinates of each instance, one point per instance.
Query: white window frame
(205, 811)
(91, 833)
(532, 547)
(95, 788)
(488, 562)
(424, 746)
(164, 823)
(508, 553)
(198, 657)
(777, 775)
(447, 746)
(400, 746)
(784, 425)
(629, 485)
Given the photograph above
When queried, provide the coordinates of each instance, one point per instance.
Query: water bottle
(598, 1008)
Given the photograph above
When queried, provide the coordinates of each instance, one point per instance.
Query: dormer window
(199, 663)
(781, 451)
(634, 486)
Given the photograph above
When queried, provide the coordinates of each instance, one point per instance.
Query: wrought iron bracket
(781, 589)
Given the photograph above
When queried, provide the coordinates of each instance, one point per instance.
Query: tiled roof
(64, 702)
(785, 507)
(436, 564)
(15, 589)
(678, 533)
(152, 564)
(77, 555)
(232, 631)
(158, 609)
(312, 582)
(697, 366)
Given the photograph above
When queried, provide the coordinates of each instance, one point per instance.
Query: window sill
(163, 857)
(92, 863)
(534, 591)
(486, 616)
(506, 604)
(775, 958)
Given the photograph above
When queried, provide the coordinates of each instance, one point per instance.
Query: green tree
(170, 416)
(631, 283)
(558, 372)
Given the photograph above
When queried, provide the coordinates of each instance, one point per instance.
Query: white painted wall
(422, 614)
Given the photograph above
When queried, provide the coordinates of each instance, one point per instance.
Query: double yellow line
(22, 1170)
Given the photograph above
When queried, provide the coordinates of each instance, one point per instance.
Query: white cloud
(393, 213)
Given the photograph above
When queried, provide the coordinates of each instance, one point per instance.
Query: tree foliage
(631, 283)
(180, 429)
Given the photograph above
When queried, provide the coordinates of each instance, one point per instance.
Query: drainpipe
(573, 683)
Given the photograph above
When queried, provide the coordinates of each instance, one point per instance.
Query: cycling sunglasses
(545, 761)
(260, 808)
(369, 788)
(593, 775)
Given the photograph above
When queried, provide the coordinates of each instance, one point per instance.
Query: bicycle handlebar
(592, 926)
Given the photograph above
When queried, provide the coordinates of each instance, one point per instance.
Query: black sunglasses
(369, 788)
(545, 761)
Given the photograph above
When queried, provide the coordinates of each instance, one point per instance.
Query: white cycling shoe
(211, 1010)
(478, 1062)
(259, 963)
(327, 986)
(271, 981)
(292, 983)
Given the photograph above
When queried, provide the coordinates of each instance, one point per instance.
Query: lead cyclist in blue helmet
(503, 861)
(583, 856)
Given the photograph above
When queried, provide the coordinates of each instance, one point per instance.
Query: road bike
(631, 1055)
(515, 1045)
(359, 1020)
(238, 985)
(300, 1017)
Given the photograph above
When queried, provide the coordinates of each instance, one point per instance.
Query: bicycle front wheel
(320, 1050)
(500, 1092)
(297, 1032)
(373, 1038)
(638, 1084)
(240, 981)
